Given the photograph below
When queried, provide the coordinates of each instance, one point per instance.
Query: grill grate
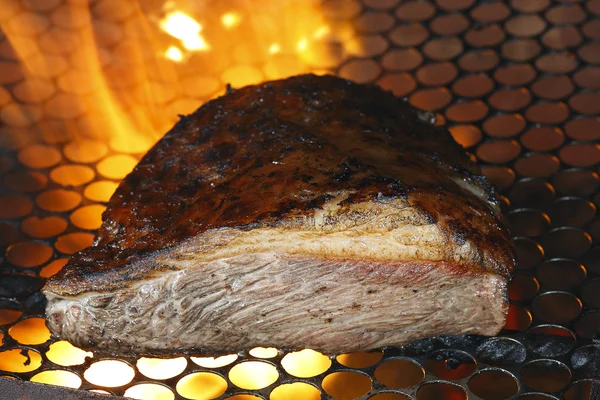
(516, 83)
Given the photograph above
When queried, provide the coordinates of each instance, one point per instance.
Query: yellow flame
(136, 97)
(231, 20)
(274, 48)
(185, 28)
(195, 43)
(321, 32)
(174, 53)
(133, 100)
(180, 25)
(302, 44)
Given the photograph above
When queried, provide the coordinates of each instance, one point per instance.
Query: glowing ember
(361, 359)
(346, 385)
(305, 363)
(214, 362)
(295, 391)
(117, 166)
(274, 48)
(20, 361)
(53, 267)
(100, 190)
(195, 43)
(109, 373)
(321, 32)
(231, 20)
(201, 385)
(30, 331)
(73, 242)
(82, 109)
(159, 369)
(152, 391)
(65, 354)
(185, 28)
(88, 217)
(302, 44)
(264, 352)
(180, 25)
(58, 378)
(28, 254)
(43, 228)
(253, 375)
(174, 53)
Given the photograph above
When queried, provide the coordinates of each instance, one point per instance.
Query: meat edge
(285, 301)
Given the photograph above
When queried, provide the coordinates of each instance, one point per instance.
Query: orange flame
(108, 90)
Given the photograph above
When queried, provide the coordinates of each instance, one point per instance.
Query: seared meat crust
(269, 155)
(305, 212)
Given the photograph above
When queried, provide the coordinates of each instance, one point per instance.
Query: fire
(83, 108)
(264, 352)
(160, 369)
(149, 391)
(302, 44)
(231, 20)
(185, 28)
(306, 363)
(321, 32)
(174, 53)
(59, 378)
(201, 385)
(253, 375)
(215, 362)
(297, 391)
(109, 373)
(65, 354)
(16, 360)
(274, 48)
(30, 331)
(123, 85)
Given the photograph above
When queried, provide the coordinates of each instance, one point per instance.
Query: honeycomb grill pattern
(515, 82)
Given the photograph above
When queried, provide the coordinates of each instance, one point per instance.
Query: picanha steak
(309, 212)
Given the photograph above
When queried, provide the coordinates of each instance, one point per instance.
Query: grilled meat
(305, 212)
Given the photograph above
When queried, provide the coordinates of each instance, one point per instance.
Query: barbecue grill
(88, 86)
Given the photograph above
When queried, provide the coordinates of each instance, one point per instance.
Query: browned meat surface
(305, 212)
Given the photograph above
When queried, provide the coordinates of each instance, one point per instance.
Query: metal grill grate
(516, 83)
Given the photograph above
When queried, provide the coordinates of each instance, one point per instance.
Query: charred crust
(457, 233)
